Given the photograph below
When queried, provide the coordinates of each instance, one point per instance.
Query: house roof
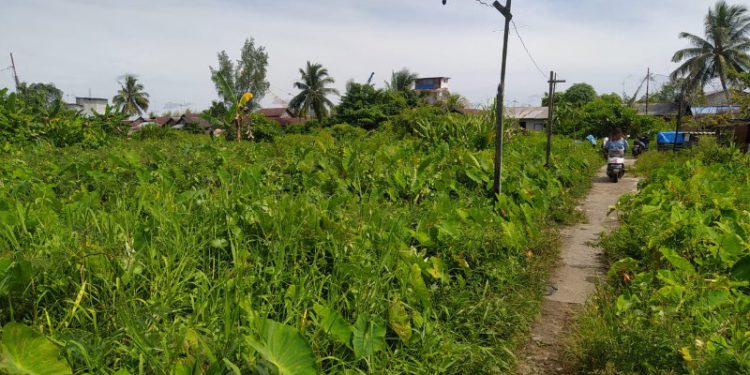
(527, 113)
(658, 109)
(714, 110)
(193, 118)
(719, 98)
(274, 112)
(164, 120)
(421, 78)
(289, 120)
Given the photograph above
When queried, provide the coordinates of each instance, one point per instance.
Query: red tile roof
(274, 112)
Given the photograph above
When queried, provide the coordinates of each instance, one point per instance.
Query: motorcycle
(640, 146)
(615, 164)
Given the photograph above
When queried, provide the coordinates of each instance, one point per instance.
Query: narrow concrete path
(574, 278)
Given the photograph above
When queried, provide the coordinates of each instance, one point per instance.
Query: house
(89, 106)
(434, 89)
(133, 122)
(737, 131)
(666, 111)
(192, 119)
(282, 115)
(165, 121)
(531, 118)
(721, 98)
(698, 112)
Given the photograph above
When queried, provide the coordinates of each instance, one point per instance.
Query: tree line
(720, 54)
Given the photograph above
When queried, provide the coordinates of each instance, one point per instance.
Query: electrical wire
(483, 3)
(515, 28)
(523, 43)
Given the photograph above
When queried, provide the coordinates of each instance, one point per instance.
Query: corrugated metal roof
(658, 109)
(714, 110)
(527, 113)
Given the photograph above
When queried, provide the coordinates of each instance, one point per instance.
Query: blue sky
(83, 45)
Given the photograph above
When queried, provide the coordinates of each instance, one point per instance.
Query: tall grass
(160, 254)
(676, 300)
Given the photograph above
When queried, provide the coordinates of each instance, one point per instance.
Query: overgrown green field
(336, 252)
(677, 298)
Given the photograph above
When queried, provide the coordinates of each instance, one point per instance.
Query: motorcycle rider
(616, 141)
(640, 144)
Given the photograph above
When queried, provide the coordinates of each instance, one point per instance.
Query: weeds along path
(574, 277)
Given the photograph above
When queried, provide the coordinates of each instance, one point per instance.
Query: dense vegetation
(336, 251)
(677, 298)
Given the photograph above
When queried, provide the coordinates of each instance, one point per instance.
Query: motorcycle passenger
(616, 141)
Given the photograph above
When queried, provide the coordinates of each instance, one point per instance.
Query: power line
(483, 3)
(515, 28)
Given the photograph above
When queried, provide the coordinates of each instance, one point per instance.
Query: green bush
(24, 120)
(154, 132)
(263, 128)
(343, 131)
(677, 298)
(339, 252)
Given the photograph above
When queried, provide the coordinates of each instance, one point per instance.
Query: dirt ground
(574, 277)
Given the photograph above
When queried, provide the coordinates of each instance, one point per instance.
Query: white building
(531, 118)
(89, 106)
(435, 89)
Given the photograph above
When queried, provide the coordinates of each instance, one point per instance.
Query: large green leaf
(676, 260)
(741, 269)
(25, 352)
(369, 337)
(284, 347)
(398, 319)
(334, 324)
(15, 275)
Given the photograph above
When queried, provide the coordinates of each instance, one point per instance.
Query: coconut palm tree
(724, 49)
(131, 99)
(401, 80)
(312, 97)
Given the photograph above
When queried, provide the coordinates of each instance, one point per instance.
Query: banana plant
(238, 114)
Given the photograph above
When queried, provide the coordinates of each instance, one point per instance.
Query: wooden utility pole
(505, 10)
(497, 187)
(648, 79)
(15, 74)
(553, 81)
(679, 120)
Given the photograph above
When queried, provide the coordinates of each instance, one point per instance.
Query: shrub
(677, 298)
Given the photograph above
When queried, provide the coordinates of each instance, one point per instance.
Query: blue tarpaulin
(668, 137)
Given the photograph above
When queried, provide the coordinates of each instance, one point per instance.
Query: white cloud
(86, 44)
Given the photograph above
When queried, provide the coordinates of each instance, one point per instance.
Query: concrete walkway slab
(574, 279)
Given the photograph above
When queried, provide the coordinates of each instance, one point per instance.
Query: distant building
(282, 115)
(714, 110)
(667, 111)
(530, 118)
(89, 106)
(434, 89)
(721, 98)
(191, 120)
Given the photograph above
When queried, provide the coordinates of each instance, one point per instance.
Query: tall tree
(576, 95)
(312, 97)
(723, 49)
(401, 80)
(131, 99)
(248, 74)
(43, 96)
